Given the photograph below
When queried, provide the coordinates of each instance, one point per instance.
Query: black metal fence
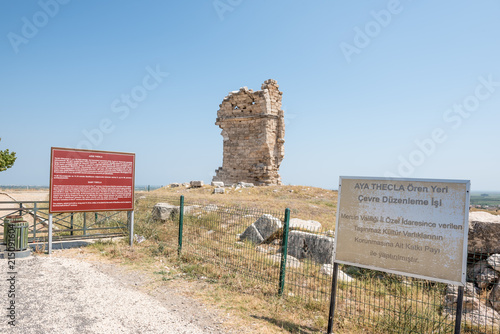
(215, 240)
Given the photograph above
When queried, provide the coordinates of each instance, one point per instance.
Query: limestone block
(471, 297)
(291, 262)
(495, 297)
(484, 233)
(308, 225)
(219, 191)
(164, 211)
(245, 185)
(494, 261)
(482, 274)
(308, 245)
(252, 234)
(217, 184)
(267, 225)
(327, 269)
(196, 184)
(262, 229)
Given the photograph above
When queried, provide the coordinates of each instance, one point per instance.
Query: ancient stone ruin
(253, 131)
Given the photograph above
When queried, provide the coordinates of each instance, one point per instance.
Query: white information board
(413, 227)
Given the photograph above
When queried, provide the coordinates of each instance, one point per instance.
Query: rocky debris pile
(302, 243)
(484, 233)
(481, 303)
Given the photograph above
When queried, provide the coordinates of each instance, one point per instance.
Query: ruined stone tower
(253, 130)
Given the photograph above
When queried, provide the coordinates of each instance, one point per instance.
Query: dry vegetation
(304, 202)
(252, 306)
(255, 306)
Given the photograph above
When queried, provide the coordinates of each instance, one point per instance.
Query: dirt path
(58, 294)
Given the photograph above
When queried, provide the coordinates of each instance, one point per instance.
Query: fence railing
(65, 225)
(210, 236)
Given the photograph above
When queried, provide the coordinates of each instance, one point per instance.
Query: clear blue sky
(363, 82)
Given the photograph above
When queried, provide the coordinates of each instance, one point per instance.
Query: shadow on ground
(289, 326)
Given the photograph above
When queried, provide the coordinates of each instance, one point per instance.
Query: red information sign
(83, 180)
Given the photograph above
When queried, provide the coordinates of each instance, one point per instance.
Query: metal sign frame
(90, 209)
(129, 209)
(399, 272)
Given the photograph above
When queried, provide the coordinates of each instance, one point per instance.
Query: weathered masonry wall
(253, 130)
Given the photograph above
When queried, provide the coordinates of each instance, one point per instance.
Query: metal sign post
(50, 233)
(131, 227)
(458, 313)
(333, 297)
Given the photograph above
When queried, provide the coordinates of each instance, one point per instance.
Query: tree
(7, 159)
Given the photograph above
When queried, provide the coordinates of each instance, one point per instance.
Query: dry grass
(308, 203)
(254, 305)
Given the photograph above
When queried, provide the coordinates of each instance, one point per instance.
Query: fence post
(458, 314)
(181, 223)
(84, 223)
(333, 296)
(35, 209)
(72, 224)
(284, 251)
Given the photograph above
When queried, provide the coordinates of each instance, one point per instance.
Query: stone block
(218, 191)
(164, 211)
(327, 269)
(308, 225)
(304, 245)
(252, 234)
(217, 184)
(484, 233)
(196, 184)
(494, 261)
(262, 229)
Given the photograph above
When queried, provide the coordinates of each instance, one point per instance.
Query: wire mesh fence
(217, 241)
(65, 225)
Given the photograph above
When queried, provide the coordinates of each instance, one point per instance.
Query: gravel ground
(68, 295)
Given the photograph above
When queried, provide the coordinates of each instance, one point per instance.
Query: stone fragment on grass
(327, 269)
(196, 184)
(217, 184)
(481, 274)
(164, 211)
(308, 225)
(305, 245)
(245, 185)
(291, 262)
(218, 191)
(262, 229)
(484, 233)
(494, 261)
(495, 297)
(471, 297)
(211, 207)
(252, 234)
